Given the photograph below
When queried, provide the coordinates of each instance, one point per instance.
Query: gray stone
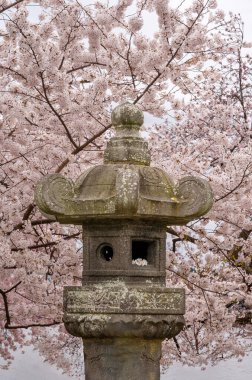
(117, 298)
(122, 359)
(126, 242)
(123, 310)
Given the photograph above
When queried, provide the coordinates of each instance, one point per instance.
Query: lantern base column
(122, 358)
(122, 327)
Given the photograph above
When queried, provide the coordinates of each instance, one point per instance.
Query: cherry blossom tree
(64, 66)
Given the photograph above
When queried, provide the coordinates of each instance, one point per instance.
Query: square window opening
(143, 252)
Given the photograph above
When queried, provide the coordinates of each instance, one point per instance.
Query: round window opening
(106, 252)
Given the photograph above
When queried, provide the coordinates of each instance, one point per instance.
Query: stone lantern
(123, 311)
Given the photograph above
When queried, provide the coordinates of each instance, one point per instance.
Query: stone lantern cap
(125, 186)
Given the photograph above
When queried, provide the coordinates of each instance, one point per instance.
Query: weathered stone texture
(123, 310)
(117, 298)
(125, 185)
(125, 240)
(107, 325)
(122, 359)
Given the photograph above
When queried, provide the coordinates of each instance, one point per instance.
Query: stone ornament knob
(127, 114)
(127, 146)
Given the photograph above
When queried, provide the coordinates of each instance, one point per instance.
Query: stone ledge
(116, 298)
(123, 325)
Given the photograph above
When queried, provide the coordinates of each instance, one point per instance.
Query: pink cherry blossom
(61, 74)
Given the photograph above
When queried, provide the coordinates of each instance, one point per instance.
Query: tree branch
(56, 112)
(5, 300)
(236, 187)
(87, 64)
(12, 70)
(28, 211)
(10, 6)
(185, 236)
(14, 327)
(193, 284)
(173, 56)
(81, 147)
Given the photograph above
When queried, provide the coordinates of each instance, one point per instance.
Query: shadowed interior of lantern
(143, 250)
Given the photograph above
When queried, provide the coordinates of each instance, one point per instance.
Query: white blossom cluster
(140, 262)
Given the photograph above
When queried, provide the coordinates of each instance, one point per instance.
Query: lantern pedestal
(122, 327)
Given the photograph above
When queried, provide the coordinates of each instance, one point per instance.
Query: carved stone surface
(197, 196)
(123, 325)
(125, 186)
(52, 194)
(121, 237)
(127, 146)
(122, 359)
(127, 115)
(115, 310)
(115, 299)
(127, 191)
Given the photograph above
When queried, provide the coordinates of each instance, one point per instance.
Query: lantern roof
(125, 186)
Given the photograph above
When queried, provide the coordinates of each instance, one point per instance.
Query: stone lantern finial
(127, 116)
(127, 146)
(125, 185)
